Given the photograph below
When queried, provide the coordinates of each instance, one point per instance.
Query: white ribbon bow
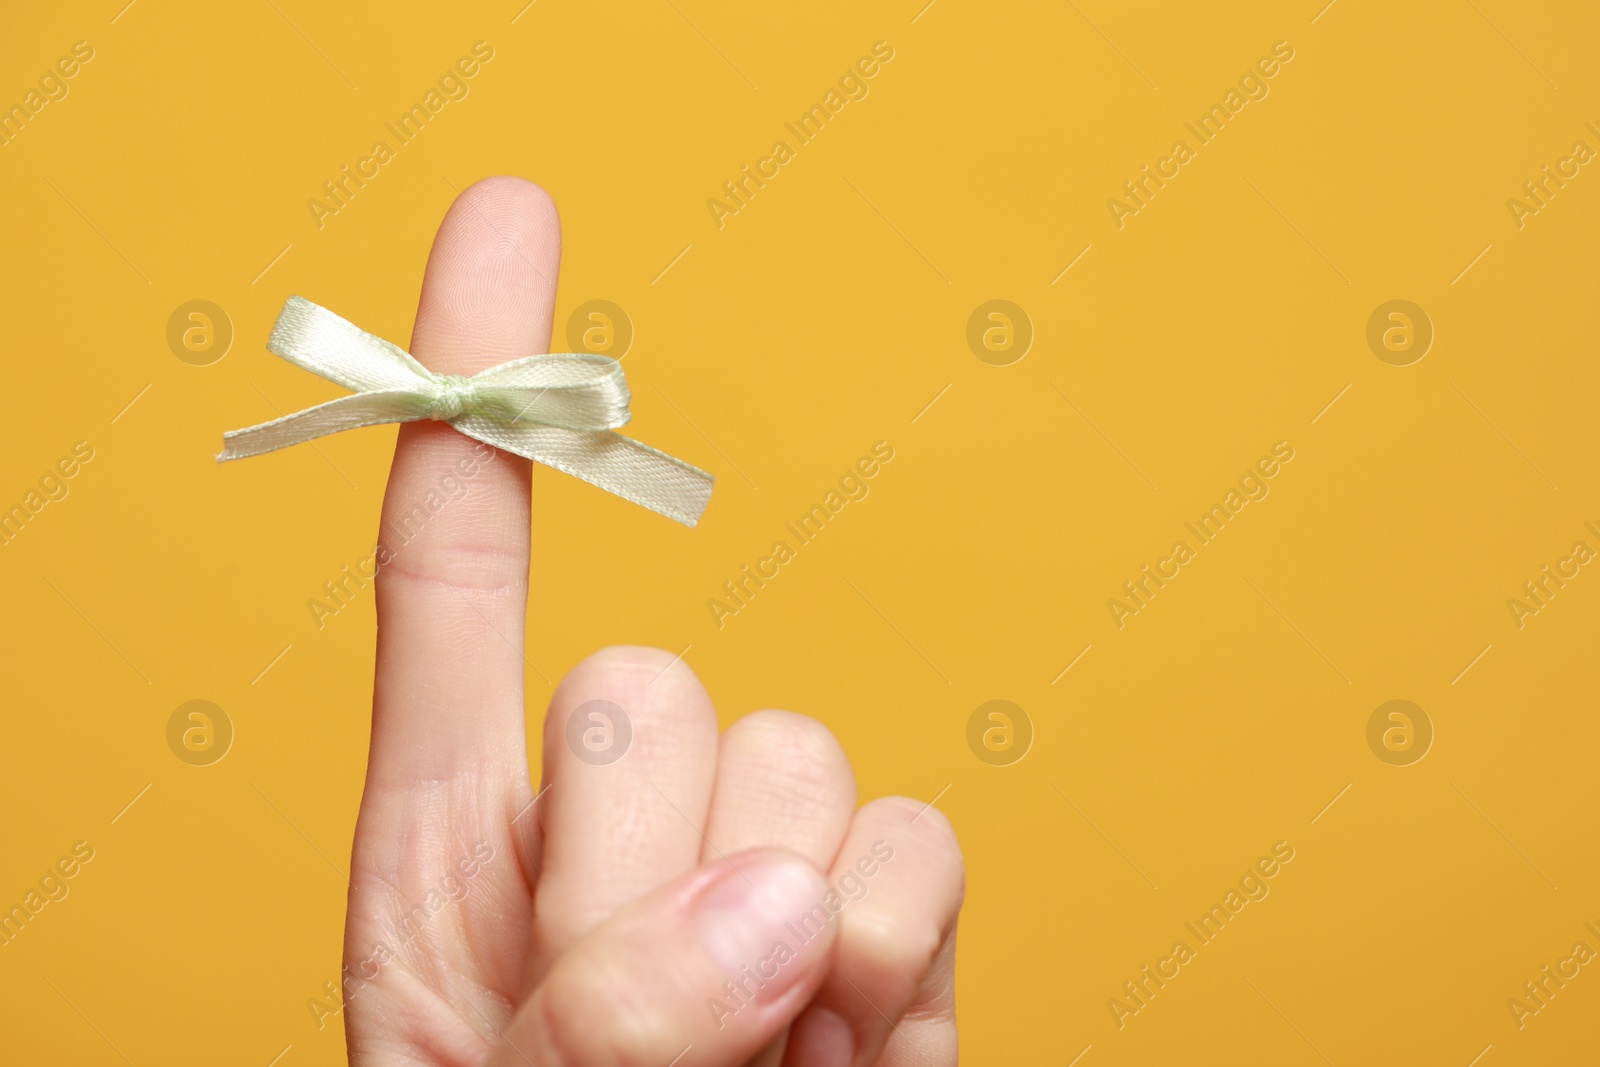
(558, 410)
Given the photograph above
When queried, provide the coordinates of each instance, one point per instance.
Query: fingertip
(776, 881)
(527, 208)
(523, 213)
(507, 184)
(719, 960)
(765, 921)
(489, 290)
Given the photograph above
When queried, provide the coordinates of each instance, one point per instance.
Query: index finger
(452, 590)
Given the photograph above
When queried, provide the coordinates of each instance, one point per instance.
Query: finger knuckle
(890, 944)
(928, 828)
(796, 752)
(631, 672)
(929, 837)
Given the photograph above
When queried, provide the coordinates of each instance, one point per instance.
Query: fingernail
(760, 921)
(822, 1038)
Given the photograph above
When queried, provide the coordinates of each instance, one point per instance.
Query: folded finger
(782, 782)
(630, 751)
(898, 883)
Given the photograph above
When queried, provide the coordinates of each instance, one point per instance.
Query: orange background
(1228, 314)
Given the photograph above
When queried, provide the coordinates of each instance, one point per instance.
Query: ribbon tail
(617, 464)
(345, 413)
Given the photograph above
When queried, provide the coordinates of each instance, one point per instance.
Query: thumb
(704, 972)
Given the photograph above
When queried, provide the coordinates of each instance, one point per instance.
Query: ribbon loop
(558, 410)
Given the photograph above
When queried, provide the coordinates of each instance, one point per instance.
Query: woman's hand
(697, 900)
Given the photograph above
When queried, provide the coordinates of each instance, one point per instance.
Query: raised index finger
(452, 592)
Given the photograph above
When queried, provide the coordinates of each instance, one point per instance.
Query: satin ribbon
(558, 410)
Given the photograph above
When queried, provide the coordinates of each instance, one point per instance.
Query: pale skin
(599, 915)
